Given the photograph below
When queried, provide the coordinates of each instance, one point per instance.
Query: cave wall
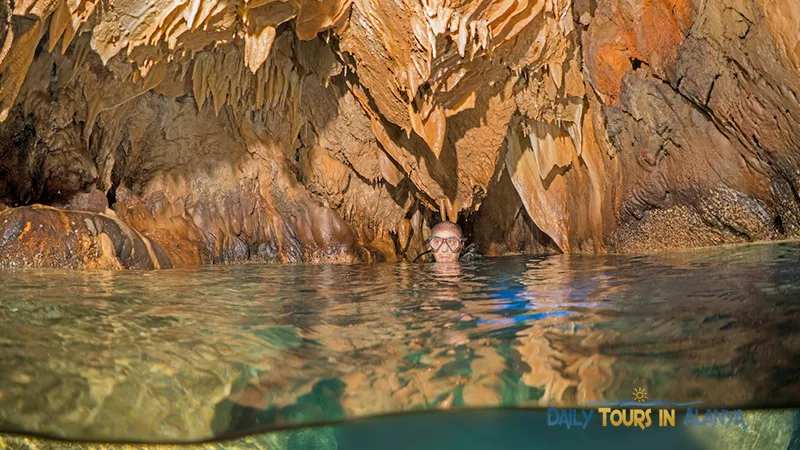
(700, 108)
(160, 134)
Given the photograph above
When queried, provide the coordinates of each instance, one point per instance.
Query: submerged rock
(342, 130)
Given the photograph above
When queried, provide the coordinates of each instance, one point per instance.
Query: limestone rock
(341, 130)
(41, 236)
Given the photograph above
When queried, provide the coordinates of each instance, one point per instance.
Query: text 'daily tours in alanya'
(644, 414)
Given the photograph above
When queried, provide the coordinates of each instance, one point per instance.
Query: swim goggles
(453, 243)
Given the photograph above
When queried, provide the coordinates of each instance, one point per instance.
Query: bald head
(445, 242)
(448, 227)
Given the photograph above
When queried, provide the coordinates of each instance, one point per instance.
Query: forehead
(446, 233)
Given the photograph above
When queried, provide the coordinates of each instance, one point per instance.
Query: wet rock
(285, 133)
(701, 148)
(42, 236)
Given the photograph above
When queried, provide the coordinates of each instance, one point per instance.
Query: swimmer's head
(446, 242)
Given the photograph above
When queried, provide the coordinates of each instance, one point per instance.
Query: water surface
(187, 355)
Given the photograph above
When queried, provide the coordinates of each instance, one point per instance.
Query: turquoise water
(229, 351)
(480, 430)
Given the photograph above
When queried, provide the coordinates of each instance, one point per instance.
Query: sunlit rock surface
(307, 131)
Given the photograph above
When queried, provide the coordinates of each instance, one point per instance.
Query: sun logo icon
(640, 394)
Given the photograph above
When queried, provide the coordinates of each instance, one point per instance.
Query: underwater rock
(342, 130)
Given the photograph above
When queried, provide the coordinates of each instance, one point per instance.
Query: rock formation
(145, 134)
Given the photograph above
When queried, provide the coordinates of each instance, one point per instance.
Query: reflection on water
(183, 355)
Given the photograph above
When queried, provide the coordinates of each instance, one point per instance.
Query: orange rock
(648, 32)
(41, 236)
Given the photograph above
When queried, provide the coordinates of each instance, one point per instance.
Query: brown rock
(42, 236)
(342, 130)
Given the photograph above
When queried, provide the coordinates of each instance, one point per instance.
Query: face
(445, 253)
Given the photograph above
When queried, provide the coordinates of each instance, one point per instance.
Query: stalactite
(370, 119)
